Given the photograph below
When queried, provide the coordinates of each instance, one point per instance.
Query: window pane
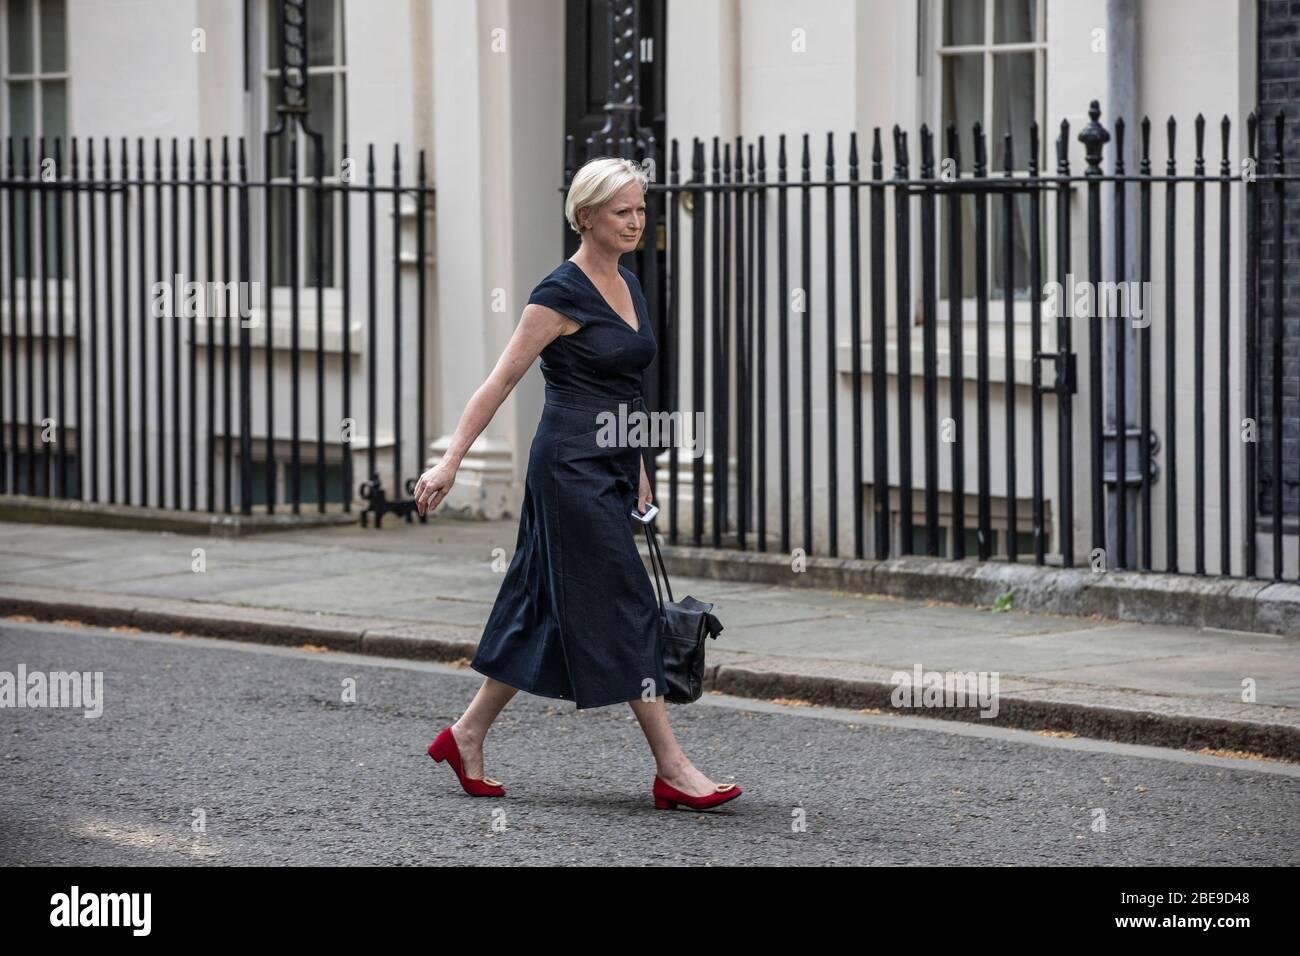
(273, 36)
(259, 482)
(21, 120)
(53, 102)
(1020, 240)
(1013, 106)
(21, 116)
(280, 234)
(278, 161)
(1014, 21)
(963, 22)
(310, 489)
(340, 104)
(320, 32)
(320, 98)
(963, 101)
(281, 151)
(54, 109)
(53, 43)
(54, 112)
(20, 37)
(325, 260)
(967, 226)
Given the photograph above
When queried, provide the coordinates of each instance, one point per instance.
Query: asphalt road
(259, 744)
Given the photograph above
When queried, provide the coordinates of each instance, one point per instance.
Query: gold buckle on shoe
(724, 787)
(491, 782)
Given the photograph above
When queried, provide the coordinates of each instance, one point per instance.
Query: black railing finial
(1094, 137)
(1200, 144)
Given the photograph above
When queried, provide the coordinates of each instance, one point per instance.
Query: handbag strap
(653, 548)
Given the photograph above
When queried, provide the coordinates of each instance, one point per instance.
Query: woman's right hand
(433, 486)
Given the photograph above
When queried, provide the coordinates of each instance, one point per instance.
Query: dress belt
(596, 403)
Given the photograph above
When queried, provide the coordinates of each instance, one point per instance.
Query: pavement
(424, 591)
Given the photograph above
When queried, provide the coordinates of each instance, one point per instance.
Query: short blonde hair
(597, 182)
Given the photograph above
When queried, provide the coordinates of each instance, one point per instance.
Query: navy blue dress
(577, 617)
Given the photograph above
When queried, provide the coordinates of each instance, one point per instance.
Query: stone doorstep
(1188, 600)
(1105, 713)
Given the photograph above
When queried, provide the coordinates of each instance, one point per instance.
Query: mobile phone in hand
(650, 512)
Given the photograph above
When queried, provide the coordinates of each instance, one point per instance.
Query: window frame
(38, 77)
(987, 49)
(268, 77)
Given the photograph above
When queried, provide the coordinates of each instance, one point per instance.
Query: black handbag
(683, 626)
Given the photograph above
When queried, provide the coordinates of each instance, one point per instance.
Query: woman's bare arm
(538, 327)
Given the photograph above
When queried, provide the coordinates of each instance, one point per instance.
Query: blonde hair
(597, 182)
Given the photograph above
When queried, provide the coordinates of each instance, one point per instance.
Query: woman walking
(576, 617)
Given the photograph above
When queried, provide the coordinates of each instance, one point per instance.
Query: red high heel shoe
(667, 797)
(444, 748)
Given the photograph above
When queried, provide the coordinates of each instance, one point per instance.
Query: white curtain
(1013, 109)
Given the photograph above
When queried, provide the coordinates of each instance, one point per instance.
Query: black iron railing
(144, 344)
(729, 228)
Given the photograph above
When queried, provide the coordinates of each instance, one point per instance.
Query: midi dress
(576, 617)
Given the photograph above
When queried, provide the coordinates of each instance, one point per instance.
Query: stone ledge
(1236, 604)
(33, 509)
(1123, 716)
(1123, 725)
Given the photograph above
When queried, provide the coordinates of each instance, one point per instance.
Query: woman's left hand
(645, 493)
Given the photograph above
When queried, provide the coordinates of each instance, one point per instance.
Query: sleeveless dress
(577, 617)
